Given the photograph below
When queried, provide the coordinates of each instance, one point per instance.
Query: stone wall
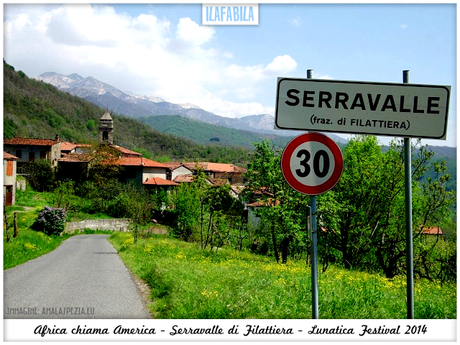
(117, 224)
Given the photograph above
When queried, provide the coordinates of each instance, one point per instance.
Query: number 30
(316, 168)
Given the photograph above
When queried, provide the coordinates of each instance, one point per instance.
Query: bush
(51, 221)
(41, 175)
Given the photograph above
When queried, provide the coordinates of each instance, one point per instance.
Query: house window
(42, 154)
(31, 156)
(19, 153)
(9, 168)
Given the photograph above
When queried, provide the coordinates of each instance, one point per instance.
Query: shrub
(40, 175)
(51, 221)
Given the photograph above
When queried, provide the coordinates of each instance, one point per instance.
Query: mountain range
(139, 106)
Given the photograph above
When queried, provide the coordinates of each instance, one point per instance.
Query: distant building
(9, 178)
(435, 230)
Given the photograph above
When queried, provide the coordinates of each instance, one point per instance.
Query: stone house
(30, 149)
(9, 178)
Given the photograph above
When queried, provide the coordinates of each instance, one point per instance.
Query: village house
(9, 178)
(176, 169)
(68, 147)
(234, 174)
(29, 149)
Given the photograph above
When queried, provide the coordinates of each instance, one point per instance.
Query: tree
(40, 175)
(220, 205)
(186, 211)
(139, 205)
(284, 211)
(363, 216)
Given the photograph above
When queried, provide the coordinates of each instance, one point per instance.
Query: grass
(189, 283)
(30, 244)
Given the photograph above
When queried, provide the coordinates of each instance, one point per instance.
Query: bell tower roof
(106, 116)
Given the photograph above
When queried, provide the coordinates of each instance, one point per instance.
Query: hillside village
(74, 160)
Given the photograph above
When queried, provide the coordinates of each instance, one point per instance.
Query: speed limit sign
(312, 163)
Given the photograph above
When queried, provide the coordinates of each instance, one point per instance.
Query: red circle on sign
(286, 167)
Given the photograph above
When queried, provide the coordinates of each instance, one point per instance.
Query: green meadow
(188, 282)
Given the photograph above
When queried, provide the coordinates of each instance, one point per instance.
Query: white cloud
(404, 26)
(144, 54)
(191, 33)
(281, 65)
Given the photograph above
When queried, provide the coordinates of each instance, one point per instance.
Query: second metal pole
(314, 249)
(409, 241)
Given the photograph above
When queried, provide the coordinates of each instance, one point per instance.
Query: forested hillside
(38, 110)
(203, 133)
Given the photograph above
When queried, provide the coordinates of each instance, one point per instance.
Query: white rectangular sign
(399, 110)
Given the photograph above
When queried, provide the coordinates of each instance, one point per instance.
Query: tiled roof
(184, 178)
(173, 165)
(106, 116)
(66, 146)
(8, 156)
(432, 231)
(76, 158)
(30, 142)
(125, 151)
(158, 181)
(137, 161)
(218, 181)
(215, 167)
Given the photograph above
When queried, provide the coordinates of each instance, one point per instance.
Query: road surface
(83, 278)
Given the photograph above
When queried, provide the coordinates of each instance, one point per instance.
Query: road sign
(401, 110)
(312, 163)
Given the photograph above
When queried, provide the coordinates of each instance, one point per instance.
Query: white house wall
(153, 172)
(9, 180)
(180, 171)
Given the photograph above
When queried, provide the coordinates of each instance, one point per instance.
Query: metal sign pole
(409, 241)
(314, 249)
(314, 259)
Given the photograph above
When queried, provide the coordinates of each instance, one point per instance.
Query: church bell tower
(106, 129)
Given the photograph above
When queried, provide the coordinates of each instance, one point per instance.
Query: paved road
(84, 274)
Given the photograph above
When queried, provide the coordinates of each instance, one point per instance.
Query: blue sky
(164, 51)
